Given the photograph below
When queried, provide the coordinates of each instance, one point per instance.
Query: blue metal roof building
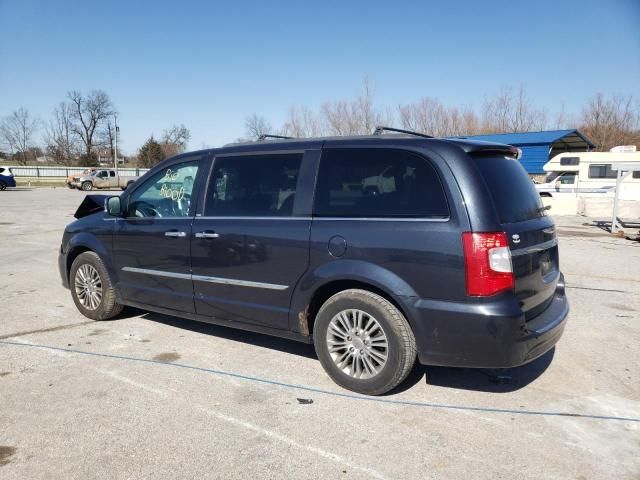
(538, 147)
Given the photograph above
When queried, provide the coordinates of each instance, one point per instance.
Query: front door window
(167, 194)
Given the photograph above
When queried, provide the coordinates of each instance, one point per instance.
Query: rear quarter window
(378, 183)
(513, 193)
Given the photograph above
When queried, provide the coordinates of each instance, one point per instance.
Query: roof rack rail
(380, 129)
(264, 136)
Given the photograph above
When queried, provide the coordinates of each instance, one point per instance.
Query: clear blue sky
(211, 64)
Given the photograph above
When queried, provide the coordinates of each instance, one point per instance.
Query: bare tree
(357, 117)
(431, 117)
(303, 123)
(562, 119)
(256, 125)
(611, 121)
(175, 140)
(511, 111)
(90, 113)
(62, 144)
(16, 132)
(608, 121)
(178, 135)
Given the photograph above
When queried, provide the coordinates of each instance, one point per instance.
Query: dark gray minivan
(377, 249)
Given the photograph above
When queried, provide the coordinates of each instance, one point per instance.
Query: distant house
(538, 147)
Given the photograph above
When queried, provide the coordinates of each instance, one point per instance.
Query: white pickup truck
(103, 178)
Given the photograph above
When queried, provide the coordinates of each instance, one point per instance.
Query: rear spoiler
(480, 148)
(90, 205)
(509, 151)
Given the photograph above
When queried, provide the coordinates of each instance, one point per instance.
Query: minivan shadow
(478, 379)
(257, 339)
(481, 380)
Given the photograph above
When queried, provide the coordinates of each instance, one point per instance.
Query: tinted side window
(378, 183)
(570, 161)
(636, 174)
(253, 186)
(602, 171)
(166, 194)
(112, 173)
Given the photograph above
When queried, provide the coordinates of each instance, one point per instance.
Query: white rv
(591, 174)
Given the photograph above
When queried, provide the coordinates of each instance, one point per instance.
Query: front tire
(3, 186)
(364, 342)
(91, 288)
(87, 186)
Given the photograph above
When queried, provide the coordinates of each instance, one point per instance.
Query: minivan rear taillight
(487, 261)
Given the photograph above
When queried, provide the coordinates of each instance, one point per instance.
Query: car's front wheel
(364, 342)
(91, 288)
(3, 186)
(86, 186)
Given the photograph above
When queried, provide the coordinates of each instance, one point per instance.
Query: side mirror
(113, 206)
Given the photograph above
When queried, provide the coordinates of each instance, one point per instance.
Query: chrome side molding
(204, 278)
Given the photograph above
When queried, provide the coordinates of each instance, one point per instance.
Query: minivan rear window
(514, 195)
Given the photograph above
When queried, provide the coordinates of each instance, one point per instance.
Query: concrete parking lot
(152, 396)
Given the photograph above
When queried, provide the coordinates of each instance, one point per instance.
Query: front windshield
(551, 176)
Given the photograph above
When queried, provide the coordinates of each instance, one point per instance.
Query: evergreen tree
(150, 153)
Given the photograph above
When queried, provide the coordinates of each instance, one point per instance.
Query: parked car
(451, 257)
(71, 179)
(6, 178)
(103, 178)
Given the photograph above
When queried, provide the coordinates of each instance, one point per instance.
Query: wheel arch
(86, 242)
(317, 287)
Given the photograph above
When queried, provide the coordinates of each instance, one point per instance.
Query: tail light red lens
(487, 261)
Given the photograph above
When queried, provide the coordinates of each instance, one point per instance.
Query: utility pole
(115, 150)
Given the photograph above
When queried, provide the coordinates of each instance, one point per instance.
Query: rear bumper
(492, 334)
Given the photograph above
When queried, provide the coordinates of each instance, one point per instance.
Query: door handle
(207, 235)
(175, 234)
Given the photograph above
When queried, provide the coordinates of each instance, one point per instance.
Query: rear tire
(87, 186)
(91, 288)
(364, 342)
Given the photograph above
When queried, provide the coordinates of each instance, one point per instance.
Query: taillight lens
(487, 261)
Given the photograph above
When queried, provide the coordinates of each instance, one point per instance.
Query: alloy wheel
(88, 286)
(357, 344)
